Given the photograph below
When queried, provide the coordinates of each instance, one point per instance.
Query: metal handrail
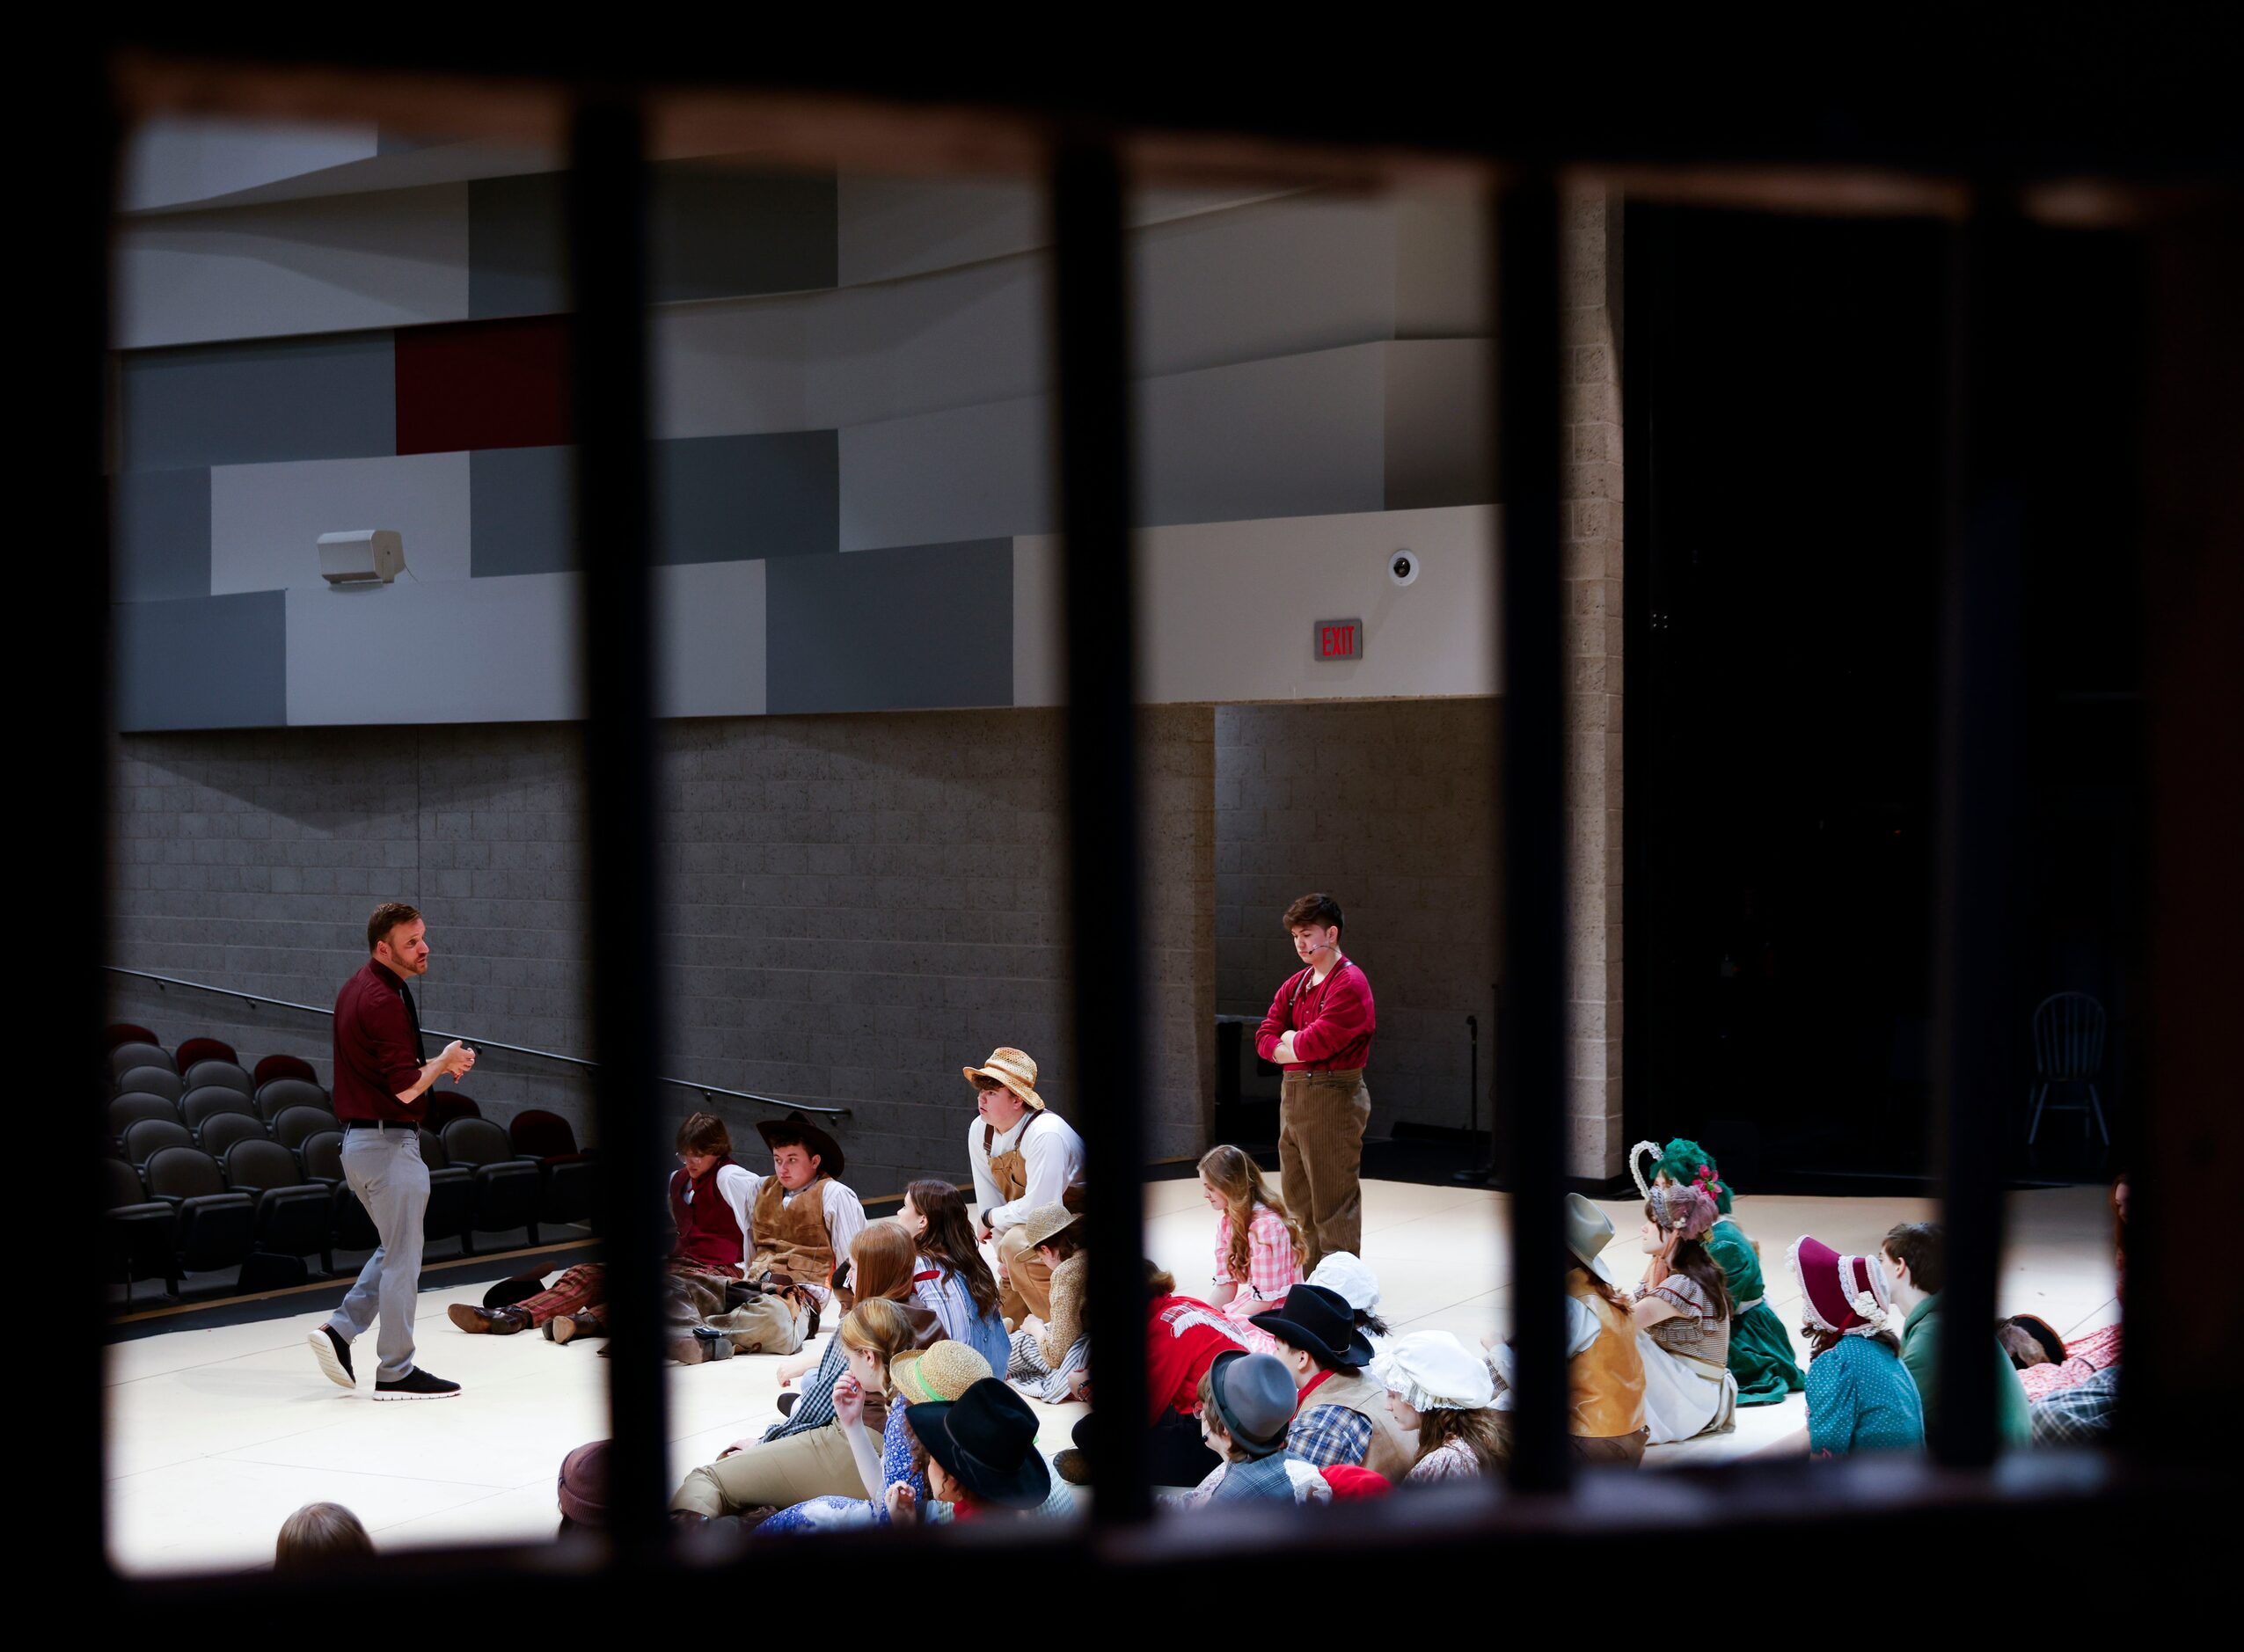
(709, 1092)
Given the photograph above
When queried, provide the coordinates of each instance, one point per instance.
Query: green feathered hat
(1686, 1162)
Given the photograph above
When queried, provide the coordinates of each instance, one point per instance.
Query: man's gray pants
(385, 1170)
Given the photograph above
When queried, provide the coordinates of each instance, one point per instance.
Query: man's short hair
(1924, 1247)
(1320, 910)
(705, 1133)
(386, 917)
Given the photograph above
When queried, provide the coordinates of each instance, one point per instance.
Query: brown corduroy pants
(1321, 1117)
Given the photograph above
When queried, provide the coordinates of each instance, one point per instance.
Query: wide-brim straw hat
(933, 1375)
(1039, 1222)
(1014, 1069)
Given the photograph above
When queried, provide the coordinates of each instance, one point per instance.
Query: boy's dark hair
(787, 1135)
(386, 917)
(1924, 1247)
(1320, 910)
(316, 1532)
(705, 1133)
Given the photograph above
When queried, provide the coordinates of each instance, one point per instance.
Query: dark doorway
(1786, 384)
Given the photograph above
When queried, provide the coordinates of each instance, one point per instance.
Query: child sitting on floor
(1260, 1248)
(1604, 1368)
(1246, 1403)
(1437, 1389)
(1759, 1353)
(1860, 1396)
(1682, 1318)
(952, 1279)
(1049, 1358)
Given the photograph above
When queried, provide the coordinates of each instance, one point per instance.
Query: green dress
(1760, 1353)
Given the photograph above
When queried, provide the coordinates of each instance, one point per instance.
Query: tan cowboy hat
(1012, 1069)
(1039, 1222)
(1588, 1230)
(943, 1372)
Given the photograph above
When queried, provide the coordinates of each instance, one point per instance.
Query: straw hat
(945, 1370)
(1012, 1069)
(1039, 1222)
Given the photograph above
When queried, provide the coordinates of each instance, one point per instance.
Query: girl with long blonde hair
(1260, 1248)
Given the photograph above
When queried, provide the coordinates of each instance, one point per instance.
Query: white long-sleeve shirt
(1053, 1155)
(844, 1212)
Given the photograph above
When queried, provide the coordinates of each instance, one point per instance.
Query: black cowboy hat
(822, 1146)
(986, 1441)
(1321, 1321)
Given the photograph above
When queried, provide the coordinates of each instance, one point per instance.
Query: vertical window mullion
(1105, 898)
(1532, 777)
(608, 251)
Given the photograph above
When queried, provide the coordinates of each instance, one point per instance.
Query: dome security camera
(1403, 566)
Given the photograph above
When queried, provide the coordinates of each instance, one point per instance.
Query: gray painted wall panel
(520, 511)
(266, 520)
(162, 543)
(967, 473)
(201, 662)
(908, 629)
(709, 644)
(720, 232)
(720, 499)
(1302, 435)
(470, 651)
(333, 398)
(514, 247)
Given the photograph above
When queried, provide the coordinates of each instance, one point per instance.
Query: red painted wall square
(484, 385)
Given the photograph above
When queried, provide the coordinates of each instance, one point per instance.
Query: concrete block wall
(1388, 805)
(1592, 338)
(854, 907)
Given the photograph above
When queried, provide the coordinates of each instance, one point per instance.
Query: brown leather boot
(566, 1328)
(699, 1345)
(493, 1321)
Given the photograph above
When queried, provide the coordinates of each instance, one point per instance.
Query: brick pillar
(1590, 277)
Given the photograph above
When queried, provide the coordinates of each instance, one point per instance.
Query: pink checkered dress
(1272, 1269)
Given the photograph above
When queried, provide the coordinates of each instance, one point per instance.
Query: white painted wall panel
(472, 651)
(948, 340)
(334, 265)
(968, 473)
(172, 161)
(731, 368)
(710, 647)
(266, 520)
(1226, 608)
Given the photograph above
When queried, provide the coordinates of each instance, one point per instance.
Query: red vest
(708, 1232)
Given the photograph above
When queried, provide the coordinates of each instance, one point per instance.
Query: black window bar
(607, 212)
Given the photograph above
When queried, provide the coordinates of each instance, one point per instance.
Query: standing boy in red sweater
(1319, 1030)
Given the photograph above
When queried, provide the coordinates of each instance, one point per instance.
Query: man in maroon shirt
(1319, 1030)
(379, 1080)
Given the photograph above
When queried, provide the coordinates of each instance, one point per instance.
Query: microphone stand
(1484, 1176)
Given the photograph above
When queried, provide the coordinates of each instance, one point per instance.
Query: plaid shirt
(815, 1408)
(1272, 1268)
(2079, 1415)
(1330, 1435)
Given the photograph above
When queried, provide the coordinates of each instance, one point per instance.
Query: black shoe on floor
(787, 1403)
(416, 1385)
(334, 1355)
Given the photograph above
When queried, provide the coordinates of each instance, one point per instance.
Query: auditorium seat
(127, 1110)
(198, 1106)
(127, 1033)
(569, 1179)
(139, 1230)
(295, 1217)
(451, 1196)
(298, 1125)
(196, 1049)
(125, 1057)
(216, 1227)
(442, 1109)
(322, 1157)
(151, 1079)
(271, 1067)
(146, 1138)
(222, 1130)
(217, 1072)
(507, 1186)
(276, 1096)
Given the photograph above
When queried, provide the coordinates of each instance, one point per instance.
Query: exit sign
(1337, 640)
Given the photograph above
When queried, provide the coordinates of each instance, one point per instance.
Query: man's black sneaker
(787, 1403)
(416, 1385)
(335, 1356)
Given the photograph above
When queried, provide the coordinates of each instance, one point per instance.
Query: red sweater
(378, 1049)
(1183, 1336)
(1331, 1024)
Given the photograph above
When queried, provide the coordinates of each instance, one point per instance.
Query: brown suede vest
(791, 1238)
(1604, 1382)
(1393, 1447)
